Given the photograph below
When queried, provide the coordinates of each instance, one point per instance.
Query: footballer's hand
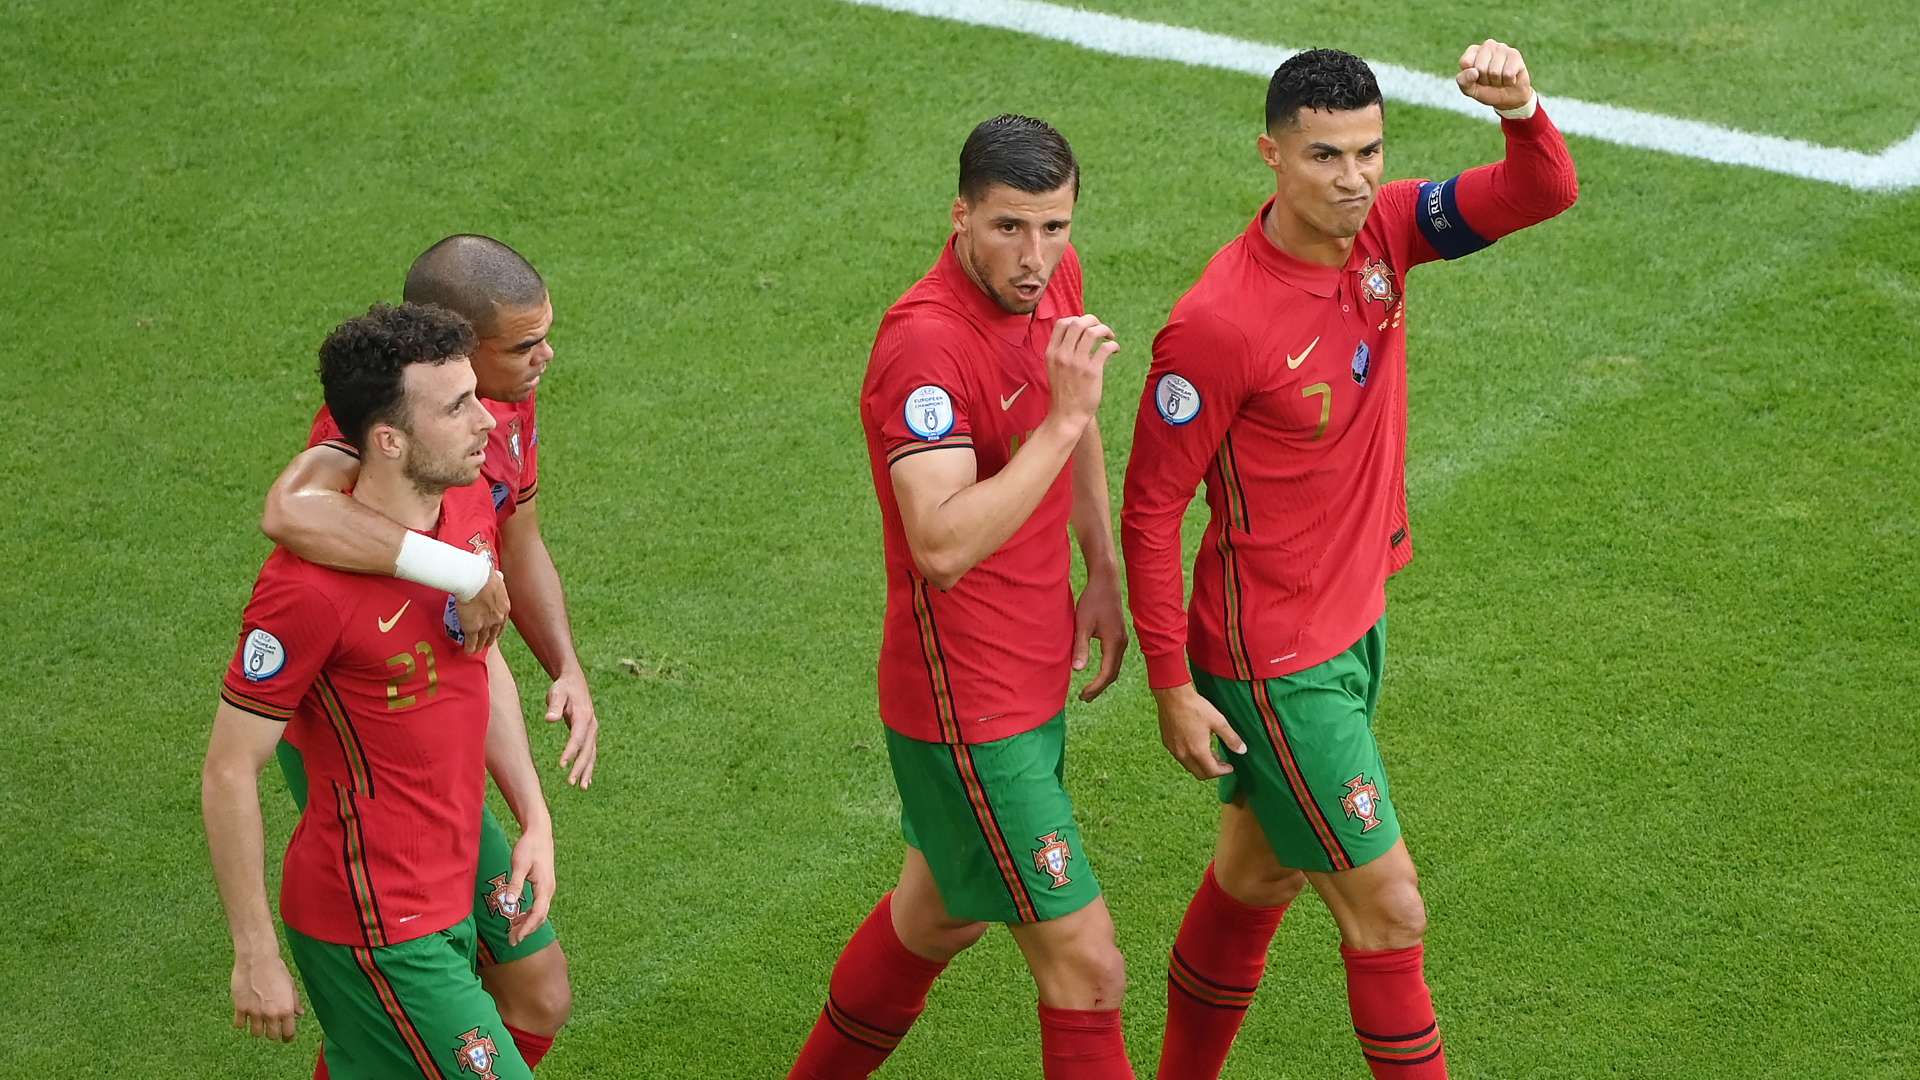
(532, 864)
(1097, 615)
(1076, 367)
(568, 700)
(264, 1000)
(1494, 73)
(1188, 725)
(485, 616)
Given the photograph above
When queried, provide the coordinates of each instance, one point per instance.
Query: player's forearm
(230, 809)
(334, 530)
(509, 752)
(1156, 591)
(976, 520)
(1535, 181)
(539, 603)
(1092, 516)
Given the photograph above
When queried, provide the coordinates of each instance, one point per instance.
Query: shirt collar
(1319, 280)
(974, 302)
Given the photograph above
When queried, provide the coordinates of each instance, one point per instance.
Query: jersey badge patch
(1051, 858)
(1376, 281)
(1362, 801)
(477, 1053)
(1176, 399)
(929, 413)
(264, 656)
(513, 441)
(500, 494)
(501, 902)
(1362, 361)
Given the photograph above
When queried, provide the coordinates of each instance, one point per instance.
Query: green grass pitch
(1652, 696)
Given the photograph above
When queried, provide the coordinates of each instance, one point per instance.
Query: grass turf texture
(1651, 680)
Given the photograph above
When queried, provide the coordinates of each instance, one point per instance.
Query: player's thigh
(995, 825)
(1312, 774)
(920, 917)
(494, 909)
(1244, 863)
(411, 1009)
(534, 992)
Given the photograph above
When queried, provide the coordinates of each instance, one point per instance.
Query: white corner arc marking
(1897, 168)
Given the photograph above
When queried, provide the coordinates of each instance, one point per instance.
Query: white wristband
(442, 566)
(1524, 112)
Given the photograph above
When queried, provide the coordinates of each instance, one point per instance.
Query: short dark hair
(1326, 80)
(474, 276)
(1023, 153)
(363, 362)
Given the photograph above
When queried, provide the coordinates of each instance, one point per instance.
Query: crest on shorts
(1051, 858)
(502, 902)
(477, 1054)
(1376, 281)
(1362, 801)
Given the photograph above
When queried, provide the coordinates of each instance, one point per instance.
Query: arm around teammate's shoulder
(309, 512)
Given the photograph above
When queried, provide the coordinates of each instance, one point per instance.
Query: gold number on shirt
(1326, 404)
(406, 666)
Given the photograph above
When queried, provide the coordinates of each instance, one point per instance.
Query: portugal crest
(477, 1054)
(1362, 801)
(501, 902)
(1051, 858)
(513, 441)
(1376, 281)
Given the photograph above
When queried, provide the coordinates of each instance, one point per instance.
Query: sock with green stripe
(1393, 1013)
(878, 990)
(1218, 958)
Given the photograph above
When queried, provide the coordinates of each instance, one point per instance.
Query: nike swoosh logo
(1295, 361)
(387, 624)
(1007, 402)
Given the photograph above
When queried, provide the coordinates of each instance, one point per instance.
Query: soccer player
(1280, 379)
(978, 406)
(308, 512)
(369, 678)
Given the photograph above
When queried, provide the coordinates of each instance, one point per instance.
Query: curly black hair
(363, 362)
(1327, 80)
(1023, 153)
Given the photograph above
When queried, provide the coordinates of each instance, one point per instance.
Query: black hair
(474, 276)
(363, 362)
(1326, 80)
(1023, 153)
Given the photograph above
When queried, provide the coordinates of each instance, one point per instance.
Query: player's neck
(389, 491)
(1303, 241)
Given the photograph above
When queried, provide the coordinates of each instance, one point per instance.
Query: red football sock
(878, 989)
(1393, 1014)
(532, 1047)
(320, 1065)
(1218, 958)
(1083, 1044)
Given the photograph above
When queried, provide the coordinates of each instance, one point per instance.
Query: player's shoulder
(927, 335)
(1397, 201)
(294, 582)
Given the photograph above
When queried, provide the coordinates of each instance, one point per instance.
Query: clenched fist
(1494, 73)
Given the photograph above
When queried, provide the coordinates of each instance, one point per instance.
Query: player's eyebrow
(530, 342)
(1320, 147)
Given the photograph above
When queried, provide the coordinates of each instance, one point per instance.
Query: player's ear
(959, 213)
(386, 440)
(1269, 150)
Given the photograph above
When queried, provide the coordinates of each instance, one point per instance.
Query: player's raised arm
(510, 762)
(309, 512)
(953, 522)
(264, 1000)
(540, 614)
(1535, 181)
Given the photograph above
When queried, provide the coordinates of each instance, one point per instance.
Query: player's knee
(954, 940)
(1261, 886)
(1090, 975)
(539, 1005)
(1396, 920)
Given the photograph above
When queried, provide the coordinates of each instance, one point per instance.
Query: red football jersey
(1283, 385)
(389, 713)
(512, 468)
(992, 656)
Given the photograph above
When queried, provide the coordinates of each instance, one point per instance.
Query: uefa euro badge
(477, 1054)
(1050, 858)
(1362, 360)
(1362, 801)
(1376, 281)
(503, 903)
(263, 655)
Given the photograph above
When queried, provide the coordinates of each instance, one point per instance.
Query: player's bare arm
(952, 519)
(510, 763)
(309, 512)
(1097, 613)
(264, 1000)
(540, 614)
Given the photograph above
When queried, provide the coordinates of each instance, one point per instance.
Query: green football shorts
(1312, 772)
(995, 824)
(494, 870)
(412, 1009)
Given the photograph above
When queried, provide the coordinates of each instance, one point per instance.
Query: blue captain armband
(1440, 222)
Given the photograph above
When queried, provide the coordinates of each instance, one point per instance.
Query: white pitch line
(1896, 168)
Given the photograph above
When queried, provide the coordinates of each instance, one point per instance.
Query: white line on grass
(1896, 168)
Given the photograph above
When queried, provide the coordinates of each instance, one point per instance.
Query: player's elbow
(277, 518)
(942, 570)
